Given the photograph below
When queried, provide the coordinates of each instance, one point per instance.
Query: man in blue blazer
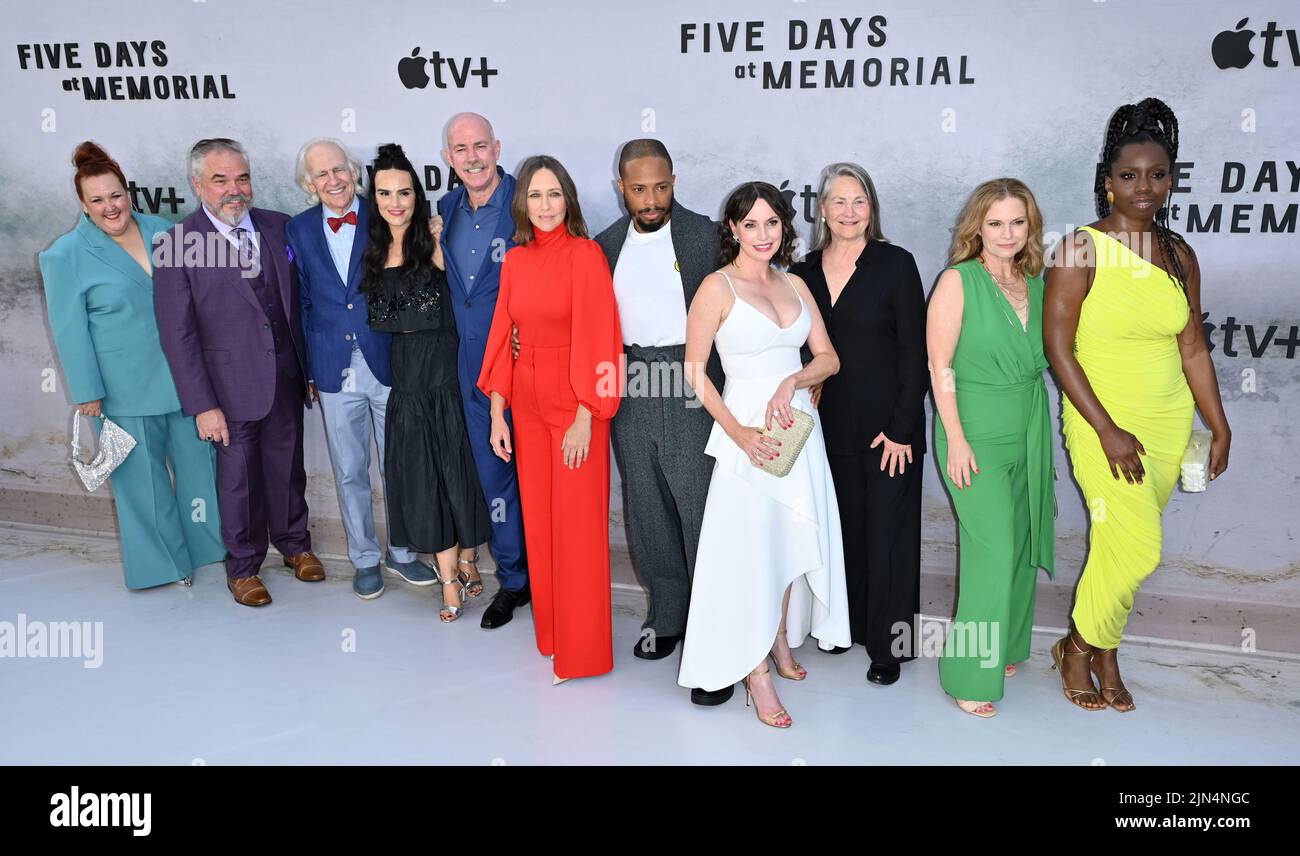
(347, 363)
(477, 227)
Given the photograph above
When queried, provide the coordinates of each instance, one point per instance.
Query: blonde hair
(966, 241)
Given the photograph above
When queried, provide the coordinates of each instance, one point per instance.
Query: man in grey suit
(659, 252)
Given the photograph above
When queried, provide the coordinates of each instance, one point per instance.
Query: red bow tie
(336, 222)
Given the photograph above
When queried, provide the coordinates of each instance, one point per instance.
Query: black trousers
(881, 522)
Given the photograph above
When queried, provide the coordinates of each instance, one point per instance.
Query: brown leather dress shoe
(306, 567)
(249, 591)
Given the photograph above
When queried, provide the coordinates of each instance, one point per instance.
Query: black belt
(655, 354)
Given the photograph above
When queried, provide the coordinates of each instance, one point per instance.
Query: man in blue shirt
(348, 364)
(476, 234)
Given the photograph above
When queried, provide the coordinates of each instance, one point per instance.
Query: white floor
(189, 677)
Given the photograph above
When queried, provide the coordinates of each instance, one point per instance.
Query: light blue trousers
(348, 416)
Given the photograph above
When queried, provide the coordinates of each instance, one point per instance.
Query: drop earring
(1110, 198)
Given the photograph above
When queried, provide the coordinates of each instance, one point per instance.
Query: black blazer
(878, 329)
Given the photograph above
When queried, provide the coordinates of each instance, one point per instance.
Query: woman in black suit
(869, 293)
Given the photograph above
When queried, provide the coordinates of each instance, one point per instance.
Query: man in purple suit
(226, 297)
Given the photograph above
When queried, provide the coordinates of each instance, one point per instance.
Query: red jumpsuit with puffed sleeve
(557, 290)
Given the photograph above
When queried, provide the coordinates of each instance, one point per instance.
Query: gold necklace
(1017, 301)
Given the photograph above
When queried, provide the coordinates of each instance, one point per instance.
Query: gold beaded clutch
(791, 440)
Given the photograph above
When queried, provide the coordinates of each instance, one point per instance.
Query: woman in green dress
(993, 434)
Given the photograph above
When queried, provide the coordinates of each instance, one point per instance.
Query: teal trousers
(168, 527)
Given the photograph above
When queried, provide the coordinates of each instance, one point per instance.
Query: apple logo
(788, 193)
(410, 70)
(1231, 48)
(1208, 327)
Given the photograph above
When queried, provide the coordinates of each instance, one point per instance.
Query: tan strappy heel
(982, 709)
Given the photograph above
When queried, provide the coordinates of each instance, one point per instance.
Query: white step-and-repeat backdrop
(932, 97)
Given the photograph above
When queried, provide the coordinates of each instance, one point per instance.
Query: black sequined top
(403, 310)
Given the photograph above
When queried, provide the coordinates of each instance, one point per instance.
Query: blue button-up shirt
(340, 242)
(470, 242)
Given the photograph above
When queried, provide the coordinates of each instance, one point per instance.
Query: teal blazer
(100, 306)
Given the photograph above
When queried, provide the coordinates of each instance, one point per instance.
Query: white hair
(446, 129)
(300, 167)
(205, 147)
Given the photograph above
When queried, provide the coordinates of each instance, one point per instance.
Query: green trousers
(996, 579)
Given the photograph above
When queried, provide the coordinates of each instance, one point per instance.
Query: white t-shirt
(648, 285)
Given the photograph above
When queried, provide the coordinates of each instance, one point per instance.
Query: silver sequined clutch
(114, 445)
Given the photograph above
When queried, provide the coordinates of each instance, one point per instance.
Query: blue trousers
(348, 417)
(167, 528)
(500, 485)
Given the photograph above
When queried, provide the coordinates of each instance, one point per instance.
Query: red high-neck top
(557, 289)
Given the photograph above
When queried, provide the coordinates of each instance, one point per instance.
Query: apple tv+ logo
(1231, 48)
(413, 70)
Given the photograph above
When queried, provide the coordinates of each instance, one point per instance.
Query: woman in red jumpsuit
(562, 391)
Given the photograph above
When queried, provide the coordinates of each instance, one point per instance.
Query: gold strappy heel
(1058, 653)
(1119, 693)
(798, 673)
(774, 719)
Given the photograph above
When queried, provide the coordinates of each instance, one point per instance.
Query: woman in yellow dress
(1122, 330)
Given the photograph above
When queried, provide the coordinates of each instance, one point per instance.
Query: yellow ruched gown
(1127, 346)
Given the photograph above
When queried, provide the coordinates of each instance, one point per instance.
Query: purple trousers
(261, 482)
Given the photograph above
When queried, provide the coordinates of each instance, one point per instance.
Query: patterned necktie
(244, 240)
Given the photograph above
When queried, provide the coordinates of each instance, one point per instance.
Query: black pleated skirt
(434, 497)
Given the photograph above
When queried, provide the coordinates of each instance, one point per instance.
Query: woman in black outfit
(435, 504)
(869, 293)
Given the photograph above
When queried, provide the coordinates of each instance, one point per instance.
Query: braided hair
(1149, 121)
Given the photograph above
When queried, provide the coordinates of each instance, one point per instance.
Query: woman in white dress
(770, 566)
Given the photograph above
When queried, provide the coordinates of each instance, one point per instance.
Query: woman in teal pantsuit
(99, 297)
(985, 338)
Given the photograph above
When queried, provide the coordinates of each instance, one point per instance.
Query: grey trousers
(659, 435)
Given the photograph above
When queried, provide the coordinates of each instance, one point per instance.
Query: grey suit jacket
(697, 243)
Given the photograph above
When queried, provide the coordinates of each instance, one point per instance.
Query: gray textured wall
(1045, 78)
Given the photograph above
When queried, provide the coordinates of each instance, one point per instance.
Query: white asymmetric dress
(762, 532)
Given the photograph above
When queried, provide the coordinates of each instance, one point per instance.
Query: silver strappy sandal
(447, 609)
(473, 588)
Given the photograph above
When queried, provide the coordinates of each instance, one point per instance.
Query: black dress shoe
(838, 650)
(883, 675)
(708, 698)
(502, 607)
(652, 647)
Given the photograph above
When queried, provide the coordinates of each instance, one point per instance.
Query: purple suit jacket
(213, 330)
